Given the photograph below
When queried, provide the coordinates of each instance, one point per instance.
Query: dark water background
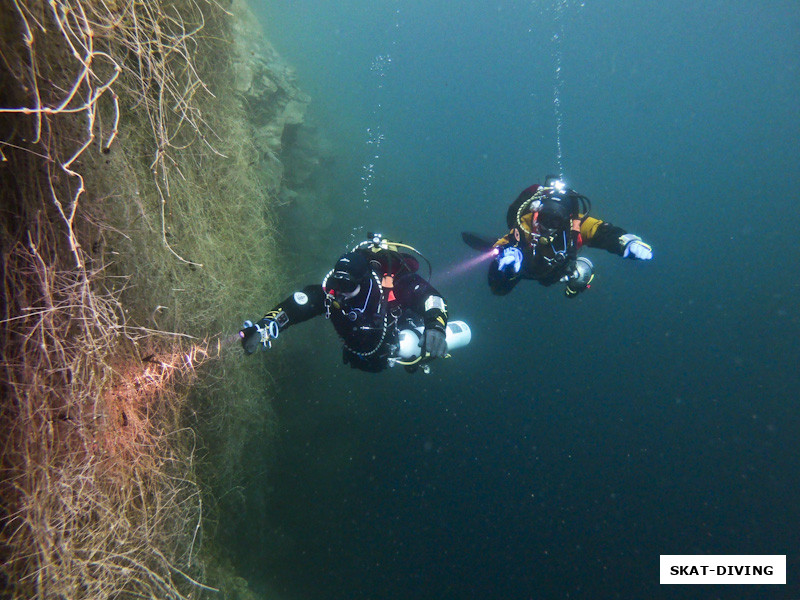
(573, 442)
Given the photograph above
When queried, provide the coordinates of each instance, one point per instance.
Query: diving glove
(260, 333)
(433, 343)
(510, 258)
(635, 248)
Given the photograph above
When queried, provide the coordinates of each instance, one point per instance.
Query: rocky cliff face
(276, 108)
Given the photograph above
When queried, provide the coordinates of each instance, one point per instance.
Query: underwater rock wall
(289, 148)
(273, 103)
(143, 151)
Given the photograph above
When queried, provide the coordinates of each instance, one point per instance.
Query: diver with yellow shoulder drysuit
(383, 310)
(549, 224)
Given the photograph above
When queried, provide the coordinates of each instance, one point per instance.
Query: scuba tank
(458, 335)
(584, 270)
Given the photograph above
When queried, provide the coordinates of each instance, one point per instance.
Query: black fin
(477, 242)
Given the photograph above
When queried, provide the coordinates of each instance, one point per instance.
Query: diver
(384, 311)
(548, 226)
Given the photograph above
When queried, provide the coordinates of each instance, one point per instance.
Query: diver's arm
(300, 306)
(506, 266)
(413, 291)
(419, 295)
(506, 240)
(603, 235)
(600, 234)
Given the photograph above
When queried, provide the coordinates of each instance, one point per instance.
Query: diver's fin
(477, 242)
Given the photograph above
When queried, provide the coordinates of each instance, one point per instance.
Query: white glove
(510, 256)
(635, 248)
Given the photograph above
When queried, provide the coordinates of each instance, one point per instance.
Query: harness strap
(382, 307)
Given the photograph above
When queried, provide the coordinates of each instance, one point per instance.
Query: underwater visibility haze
(572, 442)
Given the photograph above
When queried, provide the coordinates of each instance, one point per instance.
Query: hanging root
(97, 481)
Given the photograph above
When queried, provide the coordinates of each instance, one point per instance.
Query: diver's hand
(572, 288)
(509, 259)
(259, 334)
(635, 248)
(433, 343)
(570, 272)
(250, 337)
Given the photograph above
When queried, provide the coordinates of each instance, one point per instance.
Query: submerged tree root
(98, 487)
(99, 498)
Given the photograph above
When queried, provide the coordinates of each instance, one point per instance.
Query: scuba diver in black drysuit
(548, 226)
(376, 301)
